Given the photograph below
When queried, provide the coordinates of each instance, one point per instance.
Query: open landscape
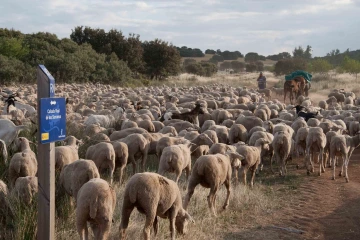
(179, 120)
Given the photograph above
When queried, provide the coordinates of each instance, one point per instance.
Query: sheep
(237, 133)
(169, 129)
(158, 125)
(23, 163)
(315, 143)
(212, 171)
(297, 124)
(3, 151)
(278, 91)
(252, 158)
(255, 129)
(340, 98)
(103, 154)
(176, 158)
(191, 117)
(266, 91)
(102, 120)
(66, 154)
(154, 195)
(222, 133)
(76, 174)
(96, 203)
(138, 146)
(354, 127)
(168, 141)
(281, 146)
(121, 157)
(126, 132)
(313, 122)
(179, 126)
(228, 123)
(343, 146)
(128, 124)
(5, 210)
(300, 140)
(25, 189)
(221, 148)
(212, 135)
(249, 122)
(147, 125)
(8, 131)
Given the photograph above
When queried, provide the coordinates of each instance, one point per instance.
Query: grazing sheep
(212, 135)
(313, 122)
(126, 132)
(281, 146)
(147, 125)
(176, 158)
(207, 124)
(66, 154)
(103, 154)
(5, 210)
(343, 146)
(8, 131)
(315, 143)
(23, 163)
(354, 127)
(169, 129)
(212, 171)
(221, 148)
(96, 203)
(300, 140)
(154, 195)
(249, 122)
(126, 124)
(121, 157)
(237, 133)
(222, 133)
(252, 158)
(25, 188)
(74, 175)
(138, 147)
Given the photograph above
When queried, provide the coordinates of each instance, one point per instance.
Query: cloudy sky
(263, 26)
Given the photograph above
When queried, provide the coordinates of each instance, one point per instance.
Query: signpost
(52, 127)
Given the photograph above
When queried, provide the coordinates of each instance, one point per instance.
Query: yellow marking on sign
(44, 136)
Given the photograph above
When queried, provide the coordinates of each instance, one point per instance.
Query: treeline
(190, 52)
(89, 55)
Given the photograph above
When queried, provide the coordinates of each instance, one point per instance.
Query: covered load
(307, 76)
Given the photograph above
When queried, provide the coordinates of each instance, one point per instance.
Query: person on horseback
(261, 81)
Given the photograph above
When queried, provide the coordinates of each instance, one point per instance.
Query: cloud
(262, 26)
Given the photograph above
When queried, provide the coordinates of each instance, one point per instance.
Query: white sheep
(211, 171)
(66, 154)
(281, 146)
(315, 143)
(154, 195)
(96, 201)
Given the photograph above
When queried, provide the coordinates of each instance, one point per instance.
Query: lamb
(252, 158)
(212, 171)
(237, 133)
(343, 146)
(8, 131)
(23, 163)
(66, 154)
(282, 146)
(25, 189)
(103, 154)
(154, 195)
(76, 174)
(176, 158)
(315, 143)
(96, 203)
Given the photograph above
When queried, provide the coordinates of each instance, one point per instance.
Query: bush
(287, 66)
(202, 69)
(251, 67)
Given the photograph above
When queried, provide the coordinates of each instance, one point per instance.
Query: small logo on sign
(44, 136)
(52, 102)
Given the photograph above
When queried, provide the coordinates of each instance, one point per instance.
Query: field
(293, 207)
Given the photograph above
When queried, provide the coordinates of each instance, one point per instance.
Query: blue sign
(51, 80)
(52, 120)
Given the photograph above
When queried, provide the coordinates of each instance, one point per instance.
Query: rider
(261, 81)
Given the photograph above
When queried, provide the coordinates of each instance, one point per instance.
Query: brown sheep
(96, 203)
(25, 189)
(237, 133)
(211, 171)
(154, 195)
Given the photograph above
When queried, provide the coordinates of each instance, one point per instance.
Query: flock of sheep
(226, 131)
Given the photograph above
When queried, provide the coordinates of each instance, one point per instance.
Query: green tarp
(304, 74)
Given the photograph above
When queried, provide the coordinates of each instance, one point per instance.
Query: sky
(262, 26)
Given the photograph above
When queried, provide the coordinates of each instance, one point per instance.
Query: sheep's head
(182, 221)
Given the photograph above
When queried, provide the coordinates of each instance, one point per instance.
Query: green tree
(287, 66)
(320, 66)
(251, 67)
(210, 51)
(13, 47)
(188, 61)
(351, 66)
(259, 65)
(252, 57)
(161, 58)
(225, 65)
(237, 66)
(216, 58)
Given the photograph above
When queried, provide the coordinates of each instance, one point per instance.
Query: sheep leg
(149, 222)
(81, 225)
(271, 161)
(244, 175)
(156, 226)
(321, 163)
(253, 170)
(178, 174)
(112, 169)
(121, 171)
(125, 216)
(172, 216)
(334, 166)
(227, 185)
(211, 199)
(143, 160)
(346, 159)
(132, 160)
(191, 187)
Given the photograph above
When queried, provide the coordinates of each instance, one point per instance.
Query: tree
(251, 57)
(287, 66)
(279, 56)
(237, 66)
(210, 51)
(251, 67)
(320, 66)
(225, 65)
(351, 66)
(161, 58)
(301, 53)
(216, 58)
(203, 69)
(13, 47)
(188, 61)
(259, 66)
(189, 52)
